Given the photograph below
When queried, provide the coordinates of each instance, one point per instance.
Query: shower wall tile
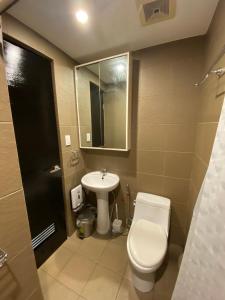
(211, 101)
(14, 220)
(149, 183)
(10, 179)
(151, 162)
(178, 164)
(150, 136)
(179, 137)
(205, 137)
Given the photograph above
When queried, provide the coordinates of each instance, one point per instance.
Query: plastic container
(85, 223)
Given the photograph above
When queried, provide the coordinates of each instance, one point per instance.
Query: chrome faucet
(104, 171)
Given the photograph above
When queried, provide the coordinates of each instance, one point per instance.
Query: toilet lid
(147, 243)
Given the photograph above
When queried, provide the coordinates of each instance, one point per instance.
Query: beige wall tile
(177, 235)
(71, 164)
(150, 183)
(5, 111)
(176, 189)
(73, 132)
(192, 198)
(205, 138)
(10, 180)
(150, 162)
(19, 276)
(150, 137)
(198, 172)
(16, 234)
(210, 106)
(36, 295)
(153, 110)
(178, 164)
(215, 36)
(179, 137)
(66, 112)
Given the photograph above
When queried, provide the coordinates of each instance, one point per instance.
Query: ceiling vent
(153, 11)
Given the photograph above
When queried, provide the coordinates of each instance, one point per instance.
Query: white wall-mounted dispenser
(77, 201)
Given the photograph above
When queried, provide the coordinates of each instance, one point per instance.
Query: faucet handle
(104, 170)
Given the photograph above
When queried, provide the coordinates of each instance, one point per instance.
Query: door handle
(3, 257)
(55, 169)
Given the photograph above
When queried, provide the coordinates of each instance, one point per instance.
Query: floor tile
(165, 280)
(128, 272)
(121, 240)
(102, 285)
(76, 272)
(57, 261)
(72, 243)
(45, 280)
(128, 292)
(58, 291)
(114, 257)
(92, 247)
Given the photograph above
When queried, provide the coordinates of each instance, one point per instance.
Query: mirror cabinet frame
(128, 101)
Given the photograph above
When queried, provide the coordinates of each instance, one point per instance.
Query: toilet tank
(153, 208)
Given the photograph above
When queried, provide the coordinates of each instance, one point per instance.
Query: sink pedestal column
(103, 223)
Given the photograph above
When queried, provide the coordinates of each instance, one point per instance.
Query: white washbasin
(99, 182)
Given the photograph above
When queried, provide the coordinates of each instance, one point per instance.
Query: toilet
(147, 239)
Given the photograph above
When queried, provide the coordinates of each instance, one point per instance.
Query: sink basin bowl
(97, 182)
(101, 185)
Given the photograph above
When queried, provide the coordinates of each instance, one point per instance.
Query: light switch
(67, 140)
(88, 137)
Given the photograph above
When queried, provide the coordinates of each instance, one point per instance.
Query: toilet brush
(117, 223)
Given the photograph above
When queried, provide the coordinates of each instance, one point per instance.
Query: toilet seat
(146, 245)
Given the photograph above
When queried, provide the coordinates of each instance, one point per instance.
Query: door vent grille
(41, 237)
(153, 11)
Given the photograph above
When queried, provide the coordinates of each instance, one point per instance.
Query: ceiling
(113, 27)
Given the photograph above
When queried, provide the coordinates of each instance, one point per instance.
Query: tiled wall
(63, 79)
(18, 278)
(163, 129)
(210, 104)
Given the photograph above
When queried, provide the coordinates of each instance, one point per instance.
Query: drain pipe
(128, 218)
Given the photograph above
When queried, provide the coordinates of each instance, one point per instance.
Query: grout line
(210, 122)
(166, 151)
(12, 193)
(202, 161)
(6, 122)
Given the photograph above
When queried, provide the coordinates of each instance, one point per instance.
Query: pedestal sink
(101, 183)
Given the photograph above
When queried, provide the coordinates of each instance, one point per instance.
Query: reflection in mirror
(102, 93)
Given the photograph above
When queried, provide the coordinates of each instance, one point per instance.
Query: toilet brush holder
(117, 226)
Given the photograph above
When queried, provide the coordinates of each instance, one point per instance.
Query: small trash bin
(85, 223)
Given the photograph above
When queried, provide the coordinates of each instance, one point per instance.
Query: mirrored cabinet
(104, 103)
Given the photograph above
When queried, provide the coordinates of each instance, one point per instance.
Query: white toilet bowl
(147, 239)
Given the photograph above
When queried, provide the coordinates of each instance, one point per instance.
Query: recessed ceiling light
(82, 16)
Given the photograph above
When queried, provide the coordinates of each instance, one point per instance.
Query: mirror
(103, 103)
